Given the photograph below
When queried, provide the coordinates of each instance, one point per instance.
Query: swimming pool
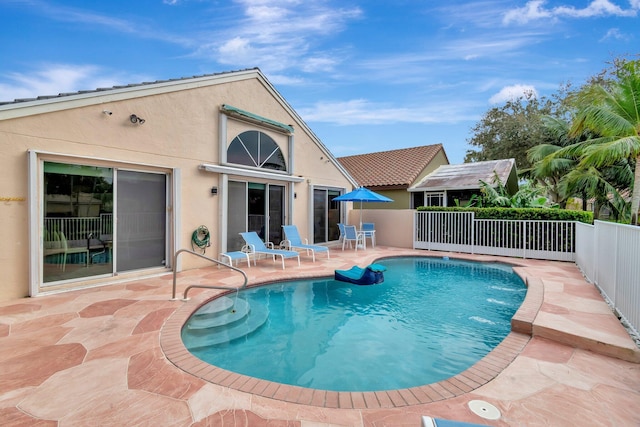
(430, 319)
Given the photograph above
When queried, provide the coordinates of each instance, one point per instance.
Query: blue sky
(366, 76)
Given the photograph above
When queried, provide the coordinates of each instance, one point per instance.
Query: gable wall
(181, 132)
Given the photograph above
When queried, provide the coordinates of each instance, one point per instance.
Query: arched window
(257, 149)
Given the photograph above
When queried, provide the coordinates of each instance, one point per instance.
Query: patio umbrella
(362, 194)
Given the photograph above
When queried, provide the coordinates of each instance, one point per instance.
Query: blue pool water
(430, 319)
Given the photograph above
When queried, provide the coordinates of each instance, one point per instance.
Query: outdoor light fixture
(214, 190)
(135, 119)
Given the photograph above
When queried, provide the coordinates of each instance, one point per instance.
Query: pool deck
(111, 356)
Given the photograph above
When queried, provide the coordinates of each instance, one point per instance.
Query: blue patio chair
(369, 231)
(294, 242)
(341, 228)
(257, 247)
(440, 422)
(353, 235)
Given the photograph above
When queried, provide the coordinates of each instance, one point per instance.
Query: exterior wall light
(135, 119)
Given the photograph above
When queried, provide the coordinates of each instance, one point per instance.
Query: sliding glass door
(78, 221)
(255, 207)
(326, 215)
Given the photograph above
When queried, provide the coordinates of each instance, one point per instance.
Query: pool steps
(223, 320)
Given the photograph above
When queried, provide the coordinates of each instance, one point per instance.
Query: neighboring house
(108, 184)
(392, 172)
(453, 185)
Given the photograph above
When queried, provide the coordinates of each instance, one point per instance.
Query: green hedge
(521, 214)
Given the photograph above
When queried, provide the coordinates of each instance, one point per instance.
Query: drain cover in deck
(484, 409)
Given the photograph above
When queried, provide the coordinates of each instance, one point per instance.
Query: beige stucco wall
(181, 132)
(394, 227)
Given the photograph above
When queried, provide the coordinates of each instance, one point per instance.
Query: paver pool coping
(483, 371)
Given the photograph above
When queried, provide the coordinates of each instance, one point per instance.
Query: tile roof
(390, 169)
(466, 175)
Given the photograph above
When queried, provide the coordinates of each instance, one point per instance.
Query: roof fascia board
(421, 189)
(47, 105)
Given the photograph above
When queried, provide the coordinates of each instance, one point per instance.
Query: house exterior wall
(394, 227)
(180, 133)
(401, 197)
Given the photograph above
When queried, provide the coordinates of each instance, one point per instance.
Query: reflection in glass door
(141, 220)
(254, 207)
(326, 215)
(77, 221)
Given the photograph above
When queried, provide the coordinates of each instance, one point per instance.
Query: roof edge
(65, 101)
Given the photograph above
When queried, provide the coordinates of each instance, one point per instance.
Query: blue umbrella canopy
(361, 195)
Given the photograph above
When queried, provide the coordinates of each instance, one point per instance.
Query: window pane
(142, 220)
(78, 221)
(256, 149)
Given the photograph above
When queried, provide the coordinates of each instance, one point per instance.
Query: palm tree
(551, 161)
(613, 113)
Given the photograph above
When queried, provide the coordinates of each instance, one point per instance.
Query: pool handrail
(215, 261)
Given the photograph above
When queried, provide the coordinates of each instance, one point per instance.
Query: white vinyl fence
(607, 253)
(461, 232)
(609, 256)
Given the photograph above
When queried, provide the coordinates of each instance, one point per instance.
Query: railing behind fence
(79, 228)
(461, 232)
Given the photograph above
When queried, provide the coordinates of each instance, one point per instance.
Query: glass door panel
(77, 221)
(236, 215)
(276, 213)
(256, 204)
(326, 215)
(319, 216)
(141, 220)
(334, 214)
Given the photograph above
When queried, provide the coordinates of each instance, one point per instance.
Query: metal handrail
(175, 263)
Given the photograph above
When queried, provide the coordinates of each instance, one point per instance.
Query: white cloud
(510, 93)
(614, 33)
(279, 34)
(52, 79)
(530, 12)
(362, 111)
(534, 10)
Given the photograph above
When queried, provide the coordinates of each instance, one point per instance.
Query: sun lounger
(294, 242)
(258, 247)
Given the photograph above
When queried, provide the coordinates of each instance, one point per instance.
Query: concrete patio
(111, 356)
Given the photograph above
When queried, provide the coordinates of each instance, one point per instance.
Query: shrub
(521, 214)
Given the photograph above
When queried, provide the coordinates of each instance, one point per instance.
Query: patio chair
(353, 235)
(341, 228)
(58, 245)
(257, 247)
(369, 231)
(440, 422)
(294, 242)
